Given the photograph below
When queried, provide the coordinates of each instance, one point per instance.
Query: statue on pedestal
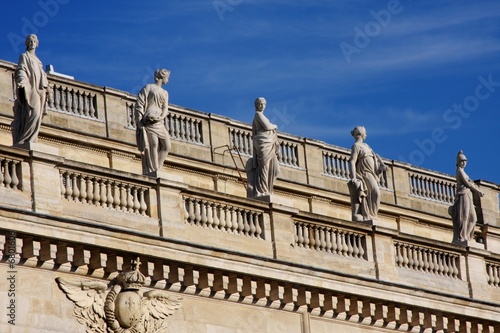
(463, 213)
(151, 110)
(263, 168)
(31, 91)
(365, 170)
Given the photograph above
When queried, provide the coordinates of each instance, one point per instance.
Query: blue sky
(423, 77)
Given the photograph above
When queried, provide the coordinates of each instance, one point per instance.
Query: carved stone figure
(463, 213)
(151, 110)
(120, 306)
(31, 90)
(263, 168)
(365, 170)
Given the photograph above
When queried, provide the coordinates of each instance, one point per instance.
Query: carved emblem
(120, 306)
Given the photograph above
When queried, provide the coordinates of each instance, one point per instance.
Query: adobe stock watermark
(148, 77)
(453, 116)
(363, 37)
(281, 118)
(11, 277)
(223, 6)
(48, 9)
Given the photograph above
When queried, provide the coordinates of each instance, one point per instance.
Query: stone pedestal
(39, 147)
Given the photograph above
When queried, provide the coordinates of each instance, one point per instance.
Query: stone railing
(241, 140)
(331, 240)
(336, 164)
(10, 173)
(435, 188)
(72, 100)
(427, 259)
(493, 271)
(102, 192)
(180, 127)
(289, 154)
(223, 217)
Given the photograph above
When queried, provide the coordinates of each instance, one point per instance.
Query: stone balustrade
(117, 200)
(10, 171)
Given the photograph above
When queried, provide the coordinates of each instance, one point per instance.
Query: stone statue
(365, 170)
(120, 306)
(151, 110)
(263, 168)
(31, 90)
(463, 213)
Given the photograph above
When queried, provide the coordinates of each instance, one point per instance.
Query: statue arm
(264, 122)
(140, 105)
(468, 182)
(164, 112)
(352, 162)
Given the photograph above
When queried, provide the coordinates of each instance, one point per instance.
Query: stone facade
(76, 206)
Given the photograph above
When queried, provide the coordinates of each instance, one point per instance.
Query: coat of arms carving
(120, 306)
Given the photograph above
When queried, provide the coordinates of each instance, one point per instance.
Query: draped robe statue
(365, 170)
(263, 168)
(31, 91)
(151, 110)
(463, 212)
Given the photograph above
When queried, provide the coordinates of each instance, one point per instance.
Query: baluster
(426, 266)
(328, 240)
(410, 256)
(116, 195)
(189, 210)
(197, 211)
(79, 102)
(130, 199)
(252, 222)
(109, 194)
(90, 189)
(227, 219)
(103, 195)
(241, 225)
(92, 110)
(233, 221)
(56, 98)
(212, 216)
(63, 184)
(15, 180)
(349, 240)
(398, 258)
(182, 132)
(306, 228)
(7, 177)
(361, 247)
(322, 238)
(325, 164)
(338, 243)
(221, 217)
(68, 192)
(431, 261)
(83, 190)
(123, 197)
(299, 234)
(142, 197)
(355, 245)
(76, 190)
(446, 264)
(2, 172)
(172, 125)
(496, 270)
(197, 131)
(203, 213)
(97, 192)
(258, 227)
(64, 99)
(246, 223)
(404, 252)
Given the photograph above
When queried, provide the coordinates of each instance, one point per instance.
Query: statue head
(260, 104)
(31, 42)
(162, 75)
(461, 158)
(359, 131)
